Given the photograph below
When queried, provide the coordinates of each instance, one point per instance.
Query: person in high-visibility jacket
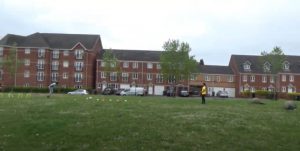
(203, 92)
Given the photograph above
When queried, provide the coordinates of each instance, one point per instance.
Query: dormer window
(286, 65)
(267, 67)
(247, 65)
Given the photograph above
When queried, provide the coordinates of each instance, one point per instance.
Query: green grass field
(112, 123)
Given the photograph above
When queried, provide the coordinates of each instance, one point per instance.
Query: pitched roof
(214, 69)
(134, 55)
(257, 64)
(51, 40)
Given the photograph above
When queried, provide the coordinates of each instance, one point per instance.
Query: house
(139, 68)
(217, 78)
(253, 73)
(48, 57)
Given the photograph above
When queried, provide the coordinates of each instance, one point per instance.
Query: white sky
(215, 29)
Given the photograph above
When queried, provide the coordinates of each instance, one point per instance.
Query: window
(291, 78)
(66, 64)
(283, 89)
(26, 62)
(102, 64)
(27, 50)
(271, 79)
(1, 74)
(40, 85)
(135, 65)
(267, 67)
(264, 79)
(134, 75)
(41, 53)
(245, 78)
(252, 78)
(103, 75)
(218, 78)
(78, 77)
(26, 85)
(159, 78)
(78, 66)
(149, 76)
(149, 65)
(79, 54)
(55, 54)
(283, 78)
(125, 64)
(40, 76)
(113, 64)
(158, 66)
(193, 77)
(54, 76)
(247, 65)
(40, 64)
(26, 74)
(66, 52)
(207, 78)
(65, 75)
(252, 89)
(113, 76)
(55, 65)
(264, 88)
(1, 51)
(230, 78)
(286, 65)
(125, 77)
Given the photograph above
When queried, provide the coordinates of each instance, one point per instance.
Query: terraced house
(47, 57)
(252, 73)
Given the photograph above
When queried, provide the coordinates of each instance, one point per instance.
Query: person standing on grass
(51, 88)
(203, 92)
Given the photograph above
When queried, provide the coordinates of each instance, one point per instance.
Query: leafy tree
(276, 57)
(11, 62)
(111, 63)
(176, 63)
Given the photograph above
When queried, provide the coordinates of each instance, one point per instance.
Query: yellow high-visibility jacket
(203, 90)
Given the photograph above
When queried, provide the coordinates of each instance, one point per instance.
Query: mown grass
(66, 122)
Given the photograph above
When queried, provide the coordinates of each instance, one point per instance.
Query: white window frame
(271, 79)
(252, 78)
(78, 76)
(264, 79)
(40, 76)
(159, 78)
(102, 64)
(113, 76)
(292, 78)
(66, 64)
(54, 76)
(135, 65)
(125, 64)
(26, 62)
(247, 66)
(207, 78)
(218, 78)
(193, 77)
(65, 75)
(55, 54)
(79, 53)
(102, 75)
(135, 76)
(283, 89)
(41, 53)
(78, 65)
(149, 65)
(283, 78)
(149, 76)
(125, 76)
(41, 64)
(245, 78)
(27, 51)
(1, 74)
(66, 52)
(55, 65)
(230, 78)
(26, 74)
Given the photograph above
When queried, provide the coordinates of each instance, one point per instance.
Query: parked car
(184, 93)
(222, 94)
(133, 91)
(79, 92)
(118, 92)
(108, 91)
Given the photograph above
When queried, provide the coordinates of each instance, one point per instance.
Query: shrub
(294, 96)
(290, 105)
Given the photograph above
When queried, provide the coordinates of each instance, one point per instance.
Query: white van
(133, 91)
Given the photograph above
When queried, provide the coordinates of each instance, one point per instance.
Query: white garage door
(124, 86)
(158, 89)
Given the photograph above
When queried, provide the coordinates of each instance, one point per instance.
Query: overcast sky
(215, 29)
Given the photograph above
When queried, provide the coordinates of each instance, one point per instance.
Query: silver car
(79, 92)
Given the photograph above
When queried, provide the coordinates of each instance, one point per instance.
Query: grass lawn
(63, 122)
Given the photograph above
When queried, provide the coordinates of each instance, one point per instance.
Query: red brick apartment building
(47, 57)
(217, 78)
(138, 68)
(253, 74)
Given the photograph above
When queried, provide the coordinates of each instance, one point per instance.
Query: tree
(276, 58)
(11, 63)
(111, 63)
(176, 63)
